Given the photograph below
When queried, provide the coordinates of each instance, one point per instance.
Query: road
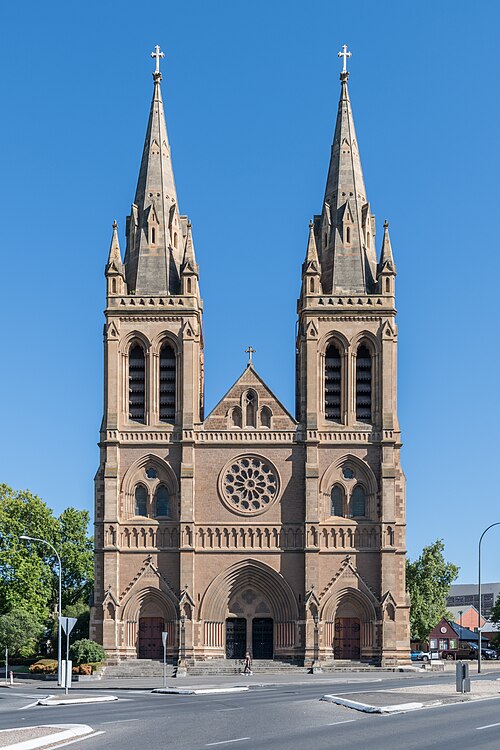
(277, 717)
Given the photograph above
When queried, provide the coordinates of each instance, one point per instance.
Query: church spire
(154, 232)
(345, 230)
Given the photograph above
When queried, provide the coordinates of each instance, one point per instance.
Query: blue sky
(251, 92)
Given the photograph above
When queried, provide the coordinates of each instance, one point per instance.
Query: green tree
(495, 618)
(86, 652)
(28, 570)
(20, 632)
(428, 580)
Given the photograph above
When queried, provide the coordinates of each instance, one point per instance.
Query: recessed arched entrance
(146, 616)
(349, 619)
(250, 607)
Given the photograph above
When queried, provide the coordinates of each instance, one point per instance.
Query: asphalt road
(282, 717)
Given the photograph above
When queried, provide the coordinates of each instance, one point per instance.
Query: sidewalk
(30, 738)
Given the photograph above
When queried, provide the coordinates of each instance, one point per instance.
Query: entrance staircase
(151, 668)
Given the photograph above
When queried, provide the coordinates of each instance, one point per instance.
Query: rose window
(249, 484)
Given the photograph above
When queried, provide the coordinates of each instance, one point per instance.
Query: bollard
(11, 677)
(462, 677)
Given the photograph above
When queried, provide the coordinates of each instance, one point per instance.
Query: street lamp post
(479, 593)
(59, 603)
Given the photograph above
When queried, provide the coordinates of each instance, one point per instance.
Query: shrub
(85, 651)
(44, 666)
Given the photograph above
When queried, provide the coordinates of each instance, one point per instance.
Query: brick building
(251, 528)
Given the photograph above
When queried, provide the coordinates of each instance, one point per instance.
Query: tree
(495, 618)
(86, 652)
(428, 581)
(20, 632)
(28, 570)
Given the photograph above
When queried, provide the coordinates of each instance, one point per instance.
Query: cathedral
(251, 529)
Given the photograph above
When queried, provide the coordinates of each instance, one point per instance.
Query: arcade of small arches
(250, 607)
(249, 413)
(350, 372)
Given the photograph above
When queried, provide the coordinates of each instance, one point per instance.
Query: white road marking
(30, 705)
(118, 721)
(226, 742)
(236, 708)
(488, 726)
(334, 724)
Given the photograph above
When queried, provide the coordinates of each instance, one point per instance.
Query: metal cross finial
(345, 54)
(250, 351)
(157, 53)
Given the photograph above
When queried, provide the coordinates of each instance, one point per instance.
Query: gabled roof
(249, 378)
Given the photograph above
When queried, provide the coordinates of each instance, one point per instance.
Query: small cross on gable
(250, 351)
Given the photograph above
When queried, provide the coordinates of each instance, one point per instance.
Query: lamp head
(23, 536)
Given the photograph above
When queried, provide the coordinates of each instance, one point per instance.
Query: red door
(150, 642)
(346, 644)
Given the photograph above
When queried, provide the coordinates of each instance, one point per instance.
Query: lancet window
(136, 384)
(141, 500)
(162, 501)
(251, 409)
(333, 383)
(337, 501)
(358, 502)
(363, 384)
(167, 383)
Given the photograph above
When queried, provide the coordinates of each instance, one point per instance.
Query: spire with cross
(345, 54)
(157, 54)
(250, 351)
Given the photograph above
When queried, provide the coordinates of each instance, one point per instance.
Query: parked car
(486, 653)
(465, 650)
(420, 656)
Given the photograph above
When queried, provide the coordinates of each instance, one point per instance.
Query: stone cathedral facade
(251, 528)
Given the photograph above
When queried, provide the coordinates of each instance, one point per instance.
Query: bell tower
(346, 404)
(153, 398)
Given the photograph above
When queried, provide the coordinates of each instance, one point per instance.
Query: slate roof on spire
(154, 233)
(345, 229)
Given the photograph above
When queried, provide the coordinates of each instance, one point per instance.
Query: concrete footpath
(31, 738)
(413, 697)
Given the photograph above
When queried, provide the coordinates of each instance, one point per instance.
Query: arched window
(251, 408)
(113, 286)
(136, 384)
(337, 501)
(153, 236)
(348, 235)
(141, 500)
(358, 502)
(167, 384)
(236, 418)
(162, 501)
(363, 384)
(333, 375)
(265, 416)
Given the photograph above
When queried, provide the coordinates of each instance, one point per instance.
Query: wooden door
(150, 642)
(346, 644)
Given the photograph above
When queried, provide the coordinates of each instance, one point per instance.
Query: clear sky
(251, 93)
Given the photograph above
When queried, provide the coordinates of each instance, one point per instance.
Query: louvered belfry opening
(136, 384)
(167, 384)
(333, 383)
(363, 385)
